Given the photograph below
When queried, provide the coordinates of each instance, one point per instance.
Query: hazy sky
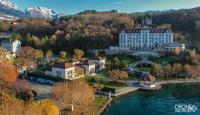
(75, 6)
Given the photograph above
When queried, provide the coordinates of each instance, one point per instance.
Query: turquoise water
(161, 102)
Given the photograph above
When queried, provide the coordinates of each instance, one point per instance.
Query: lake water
(160, 102)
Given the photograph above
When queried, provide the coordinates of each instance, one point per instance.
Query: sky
(125, 6)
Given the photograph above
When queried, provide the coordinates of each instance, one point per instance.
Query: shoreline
(105, 106)
(136, 88)
(179, 81)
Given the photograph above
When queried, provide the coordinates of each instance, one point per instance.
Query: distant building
(12, 46)
(62, 70)
(89, 67)
(99, 62)
(146, 22)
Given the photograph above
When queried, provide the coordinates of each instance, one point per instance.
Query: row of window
(58, 73)
(138, 45)
(145, 41)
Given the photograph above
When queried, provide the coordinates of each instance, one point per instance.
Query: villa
(62, 70)
(89, 67)
(10, 45)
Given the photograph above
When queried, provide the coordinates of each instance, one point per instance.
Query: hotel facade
(148, 39)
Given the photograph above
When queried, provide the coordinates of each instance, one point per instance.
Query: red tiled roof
(147, 77)
(63, 65)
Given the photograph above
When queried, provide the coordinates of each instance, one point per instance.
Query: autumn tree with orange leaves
(77, 93)
(8, 74)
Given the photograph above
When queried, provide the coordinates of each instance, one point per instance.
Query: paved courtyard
(42, 90)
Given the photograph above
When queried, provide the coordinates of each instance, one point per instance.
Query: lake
(160, 102)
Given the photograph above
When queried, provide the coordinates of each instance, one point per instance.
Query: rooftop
(147, 77)
(88, 62)
(63, 65)
(150, 30)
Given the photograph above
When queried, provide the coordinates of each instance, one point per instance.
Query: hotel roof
(150, 30)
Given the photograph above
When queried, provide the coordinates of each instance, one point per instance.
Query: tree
(39, 54)
(23, 90)
(114, 75)
(117, 75)
(16, 36)
(168, 70)
(49, 54)
(78, 54)
(78, 93)
(4, 25)
(177, 68)
(28, 40)
(45, 106)
(116, 61)
(123, 75)
(63, 54)
(79, 70)
(187, 69)
(27, 57)
(8, 74)
(193, 57)
(1, 54)
(156, 70)
(45, 43)
(13, 106)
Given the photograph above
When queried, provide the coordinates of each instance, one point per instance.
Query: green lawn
(107, 82)
(169, 59)
(127, 59)
(99, 101)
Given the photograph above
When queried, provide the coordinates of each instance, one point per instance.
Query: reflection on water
(161, 102)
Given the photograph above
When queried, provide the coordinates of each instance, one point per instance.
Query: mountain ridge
(9, 8)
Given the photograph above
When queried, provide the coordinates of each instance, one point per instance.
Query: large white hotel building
(147, 39)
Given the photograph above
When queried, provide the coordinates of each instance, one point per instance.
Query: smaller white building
(89, 67)
(12, 46)
(99, 63)
(62, 70)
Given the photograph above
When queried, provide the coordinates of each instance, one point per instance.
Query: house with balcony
(62, 70)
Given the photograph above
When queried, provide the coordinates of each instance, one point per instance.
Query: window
(58, 73)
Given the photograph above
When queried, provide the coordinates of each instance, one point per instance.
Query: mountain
(10, 9)
(6, 17)
(40, 12)
(8, 4)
